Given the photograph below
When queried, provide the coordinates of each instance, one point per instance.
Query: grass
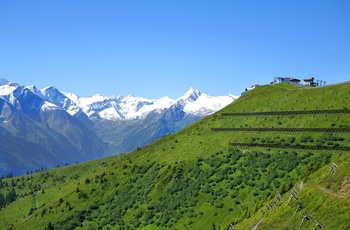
(321, 199)
(194, 180)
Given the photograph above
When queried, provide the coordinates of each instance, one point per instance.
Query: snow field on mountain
(130, 107)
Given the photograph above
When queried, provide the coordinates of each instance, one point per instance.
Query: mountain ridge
(110, 124)
(26, 116)
(73, 103)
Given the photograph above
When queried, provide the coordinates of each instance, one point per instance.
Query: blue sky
(157, 48)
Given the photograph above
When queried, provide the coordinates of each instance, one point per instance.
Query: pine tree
(11, 196)
(2, 201)
(49, 226)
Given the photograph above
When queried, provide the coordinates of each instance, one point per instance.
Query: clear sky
(152, 48)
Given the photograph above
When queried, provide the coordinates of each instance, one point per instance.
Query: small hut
(309, 81)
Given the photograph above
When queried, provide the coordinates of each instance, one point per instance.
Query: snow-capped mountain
(35, 133)
(193, 102)
(64, 127)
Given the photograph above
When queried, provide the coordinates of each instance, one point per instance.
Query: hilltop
(237, 167)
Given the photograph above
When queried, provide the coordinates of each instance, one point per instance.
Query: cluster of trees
(10, 196)
(165, 194)
(11, 188)
(36, 171)
(8, 175)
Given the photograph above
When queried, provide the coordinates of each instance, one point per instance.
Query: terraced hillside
(266, 158)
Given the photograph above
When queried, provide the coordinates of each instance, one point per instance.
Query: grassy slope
(197, 168)
(326, 198)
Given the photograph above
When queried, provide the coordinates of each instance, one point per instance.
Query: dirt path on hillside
(345, 187)
(330, 193)
(257, 225)
(23, 221)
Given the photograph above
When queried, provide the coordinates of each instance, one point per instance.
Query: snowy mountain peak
(130, 107)
(191, 95)
(94, 98)
(49, 88)
(53, 95)
(71, 96)
(4, 81)
(7, 89)
(117, 107)
(33, 89)
(51, 92)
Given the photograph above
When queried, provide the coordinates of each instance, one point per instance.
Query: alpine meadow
(276, 158)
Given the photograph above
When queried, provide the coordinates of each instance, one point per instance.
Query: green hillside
(235, 168)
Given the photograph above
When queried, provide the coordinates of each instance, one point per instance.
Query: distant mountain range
(45, 128)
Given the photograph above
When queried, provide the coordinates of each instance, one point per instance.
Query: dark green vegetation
(197, 179)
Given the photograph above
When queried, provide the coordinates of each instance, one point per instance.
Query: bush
(291, 140)
(82, 195)
(43, 212)
(219, 205)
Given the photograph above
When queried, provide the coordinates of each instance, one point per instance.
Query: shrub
(219, 205)
(291, 140)
(43, 212)
(82, 195)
